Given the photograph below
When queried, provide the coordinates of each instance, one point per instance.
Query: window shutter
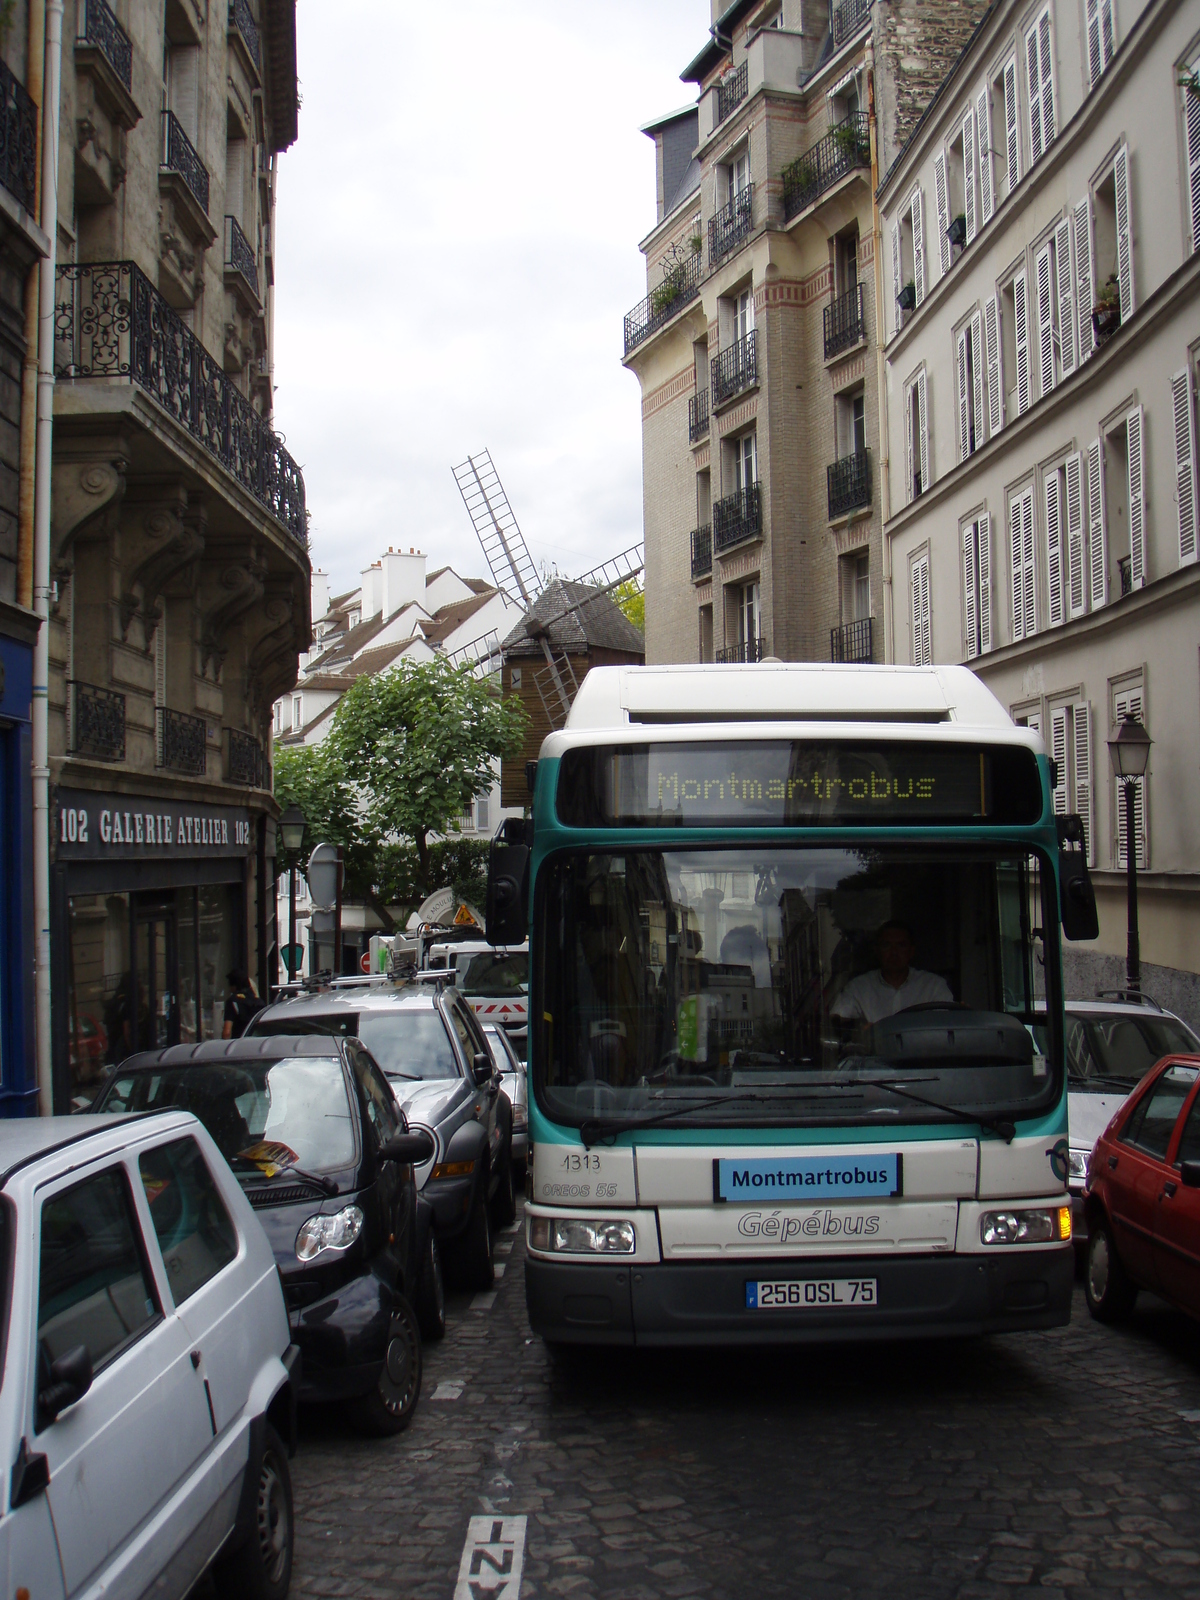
(923, 430)
(1124, 250)
(995, 390)
(1083, 278)
(1130, 700)
(977, 376)
(1108, 32)
(970, 591)
(921, 630)
(1054, 548)
(1028, 589)
(1066, 297)
(987, 182)
(968, 141)
(1035, 96)
(941, 189)
(1047, 80)
(1134, 430)
(985, 583)
(1185, 464)
(1097, 543)
(909, 457)
(1076, 595)
(964, 447)
(1082, 718)
(1095, 60)
(1018, 589)
(918, 233)
(1034, 722)
(896, 312)
(1191, 118)
(1058, 754)
(1045, 317)
(1011, 140)
(1022, 339)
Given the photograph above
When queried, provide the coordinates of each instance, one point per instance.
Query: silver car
(515, 1085)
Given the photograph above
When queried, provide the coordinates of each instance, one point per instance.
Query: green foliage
(309, 778)
(631, 599)
(669, 290)
(459, 863)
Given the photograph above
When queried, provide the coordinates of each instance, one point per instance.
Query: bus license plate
(811, 1294)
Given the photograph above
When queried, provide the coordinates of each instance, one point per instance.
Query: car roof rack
(1130, 997)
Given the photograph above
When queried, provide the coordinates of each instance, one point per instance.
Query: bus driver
(895, 985)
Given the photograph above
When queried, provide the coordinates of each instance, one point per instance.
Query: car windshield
(1117, 1051)
(264, 1116)
(496, 976)
(768, 984)
(406, 1043)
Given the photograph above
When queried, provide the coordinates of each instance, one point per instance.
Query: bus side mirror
(507, 893)
(1076, 896)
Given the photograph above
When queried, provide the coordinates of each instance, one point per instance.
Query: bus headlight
(583, 1235)
(1026, 1227)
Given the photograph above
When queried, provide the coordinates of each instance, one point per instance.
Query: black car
(313, 1133)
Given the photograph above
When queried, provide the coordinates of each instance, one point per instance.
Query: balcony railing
(731, 91)
(702, 551)
(111, 322)
(239, 254)
(241, 19)
(698, 416)
(97, 722)
(847, 145)
(731, 225)
(735, 369)
(849, 483)
(180, 742)
(98, 26)
(18, 140)
(245, 760)
(737, 518)
(853, 641)
(848, 19)
(745, 650)
(1125, 572)
(845, 322)
(680, 286)
(179, 155)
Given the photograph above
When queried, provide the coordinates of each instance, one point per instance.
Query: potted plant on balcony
(670, 289)
(1106, 313)
(697, 243)
(957, 231)
(849, 142)
(907, 298)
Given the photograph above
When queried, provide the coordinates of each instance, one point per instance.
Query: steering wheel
(932, 1005)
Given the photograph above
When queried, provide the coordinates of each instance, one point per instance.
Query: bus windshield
(770, 984)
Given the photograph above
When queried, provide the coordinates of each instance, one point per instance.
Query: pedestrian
(241, 1004)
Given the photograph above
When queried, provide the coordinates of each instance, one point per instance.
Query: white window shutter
(968, 144)
(1081, 714)
(922, 637)
(1012, 141)
(977, 376)
(1047, 83)
(1034, 722)
(1021, 331)
(918, 233)
(964, 447)
(1028, 563)
(1066, 297)
(1018, 580)
(1134, 442)
(987, 182)
(1191, 119)
(927, 617)
(1076, 592)
(1095, 59)
(995, 389)
(1124, 245)
(1034, 81)
(1058, 754)
(915, 610)
(1045, 317)
(970, 590)
(923, 430)
(941, 189)
(1097, 542)
(1185, 464)
(896, 284)
(909, 456)
(1083, 278)
(985, 583)
(1054, 548)
(1108, 32)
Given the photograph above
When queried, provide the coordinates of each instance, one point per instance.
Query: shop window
(100, 1019)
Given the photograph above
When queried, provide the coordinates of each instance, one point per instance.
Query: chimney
(403, 580)
(320, 594)
(372, 591)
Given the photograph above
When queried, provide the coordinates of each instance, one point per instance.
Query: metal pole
(291, 923)
(337, 918)
(1133, 960)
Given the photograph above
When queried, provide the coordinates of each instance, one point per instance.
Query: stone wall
(916, 44)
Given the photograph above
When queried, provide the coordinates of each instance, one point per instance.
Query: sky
(457, 238)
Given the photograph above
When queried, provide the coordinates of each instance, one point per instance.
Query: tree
(418, 742)
(630, 598)
(307, 777)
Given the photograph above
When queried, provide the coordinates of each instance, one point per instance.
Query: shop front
(148, 916)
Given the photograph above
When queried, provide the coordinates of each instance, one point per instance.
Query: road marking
(498, 1268)
(483, 1302)
(1190, 1416)
(448, 1389)
(503, 1246)
(513, 1227)
(492, 1559)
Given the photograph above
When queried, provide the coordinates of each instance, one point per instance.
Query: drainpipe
(41, 554)
(885, 488)
(35, 60)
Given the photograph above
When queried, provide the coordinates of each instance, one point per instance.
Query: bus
(792, 930)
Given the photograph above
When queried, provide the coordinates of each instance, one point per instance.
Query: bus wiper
(997, 1125)
(597, 1130)
(1125, 1085)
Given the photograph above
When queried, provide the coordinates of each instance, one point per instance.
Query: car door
(487, 1095)
(1177, 1236)
(1138, 1168)
(120, 1451)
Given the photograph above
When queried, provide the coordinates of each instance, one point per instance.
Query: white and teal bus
(790, 929)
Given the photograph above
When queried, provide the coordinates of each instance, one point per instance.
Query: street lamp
(291, 827)
(1129, 753)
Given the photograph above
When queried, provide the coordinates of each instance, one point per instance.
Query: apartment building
(179, 539)
(1043, 251)
(756, 346)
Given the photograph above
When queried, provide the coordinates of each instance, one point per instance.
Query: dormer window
(353, 619)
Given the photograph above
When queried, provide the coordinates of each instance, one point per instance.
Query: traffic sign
(364, 961)
(292, 955)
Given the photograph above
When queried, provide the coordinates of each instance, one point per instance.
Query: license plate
(811, 1294)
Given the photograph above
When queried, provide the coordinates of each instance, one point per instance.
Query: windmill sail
(496, 528)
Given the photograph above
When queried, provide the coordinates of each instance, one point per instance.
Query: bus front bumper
(696, 1303)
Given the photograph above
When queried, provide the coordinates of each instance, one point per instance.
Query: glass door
(156, 965)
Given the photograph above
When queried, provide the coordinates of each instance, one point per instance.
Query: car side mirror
(481, 1069)
(70, 1379)
(409, 1149)
(1189, 1172)
(507, 889)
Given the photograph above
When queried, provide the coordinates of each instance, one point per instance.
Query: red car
(1143, 1196)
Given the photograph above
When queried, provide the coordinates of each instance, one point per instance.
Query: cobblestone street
(1063, 1464)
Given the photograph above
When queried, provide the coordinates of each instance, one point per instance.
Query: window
(235, 180)
(745, 461)
(749, 617)
(922, 621)
(1100, 38)
(195, 1232)
(916, 435)
(278, 717)
(297, 705)
(969, 365)
(908, 255)
(181, 73)
(706, 633)
(1021, 551)
(1071, 748)
(483, 809)
(1189, 1139)
(1128, 699)
(1063, 499)
(1040, 83)
(353, 618)
(1183, 407)
(862, 587)
(743, 314)
(94, 1287)
(846, 262)
(977, 584)
(736, 176)
(1118, 537)
(1153, 1121)
(1191, 134)
(850, 424)
(1112, 250)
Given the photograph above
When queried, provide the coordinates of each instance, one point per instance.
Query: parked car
(515, 1085)
(1143, 1196)
(433, 1051)
(1111, 1044)
(148, 1404)
(322, 1153)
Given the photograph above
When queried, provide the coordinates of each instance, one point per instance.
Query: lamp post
(291, 827)
(1129, 753)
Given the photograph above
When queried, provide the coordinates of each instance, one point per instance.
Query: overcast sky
(457, 236)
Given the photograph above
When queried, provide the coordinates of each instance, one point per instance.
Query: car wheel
(261, 1567)
(1110, 1290)
(431, 1295)
(504, 1201)
(473, 1253)
(391, 1403)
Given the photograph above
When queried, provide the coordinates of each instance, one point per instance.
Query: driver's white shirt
(870, 997)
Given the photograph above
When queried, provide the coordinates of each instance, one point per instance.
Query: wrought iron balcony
(98, 26)
(845, 322)
(737, 518)
(1125, 572)
(744, 651)
(679, 287)
(18, 140)
(97, 726)
(849, 483)
(731, 225)
(853, 641)
(240, 18)
(731, 91)
(111, 322)
(848, 19)
(698, 416)
(239, 254)
(735, 369)
(245, 760)
(846, 146)
(179, 156)
(180, 742)
(702, 551)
